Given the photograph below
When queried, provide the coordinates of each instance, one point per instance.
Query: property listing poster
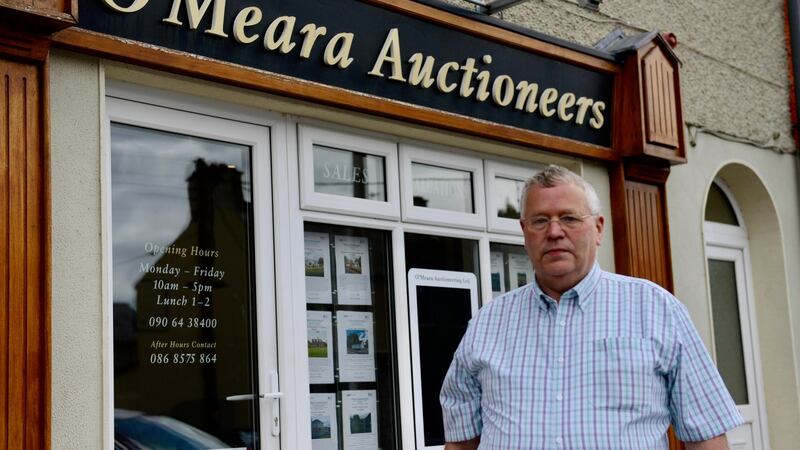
(356, 347)
(359, 420)
(318, 268)
(498, 274)
(324, 427)
(520, 272)
(352, 270)
(320, 349)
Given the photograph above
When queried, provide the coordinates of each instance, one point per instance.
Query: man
(581, 358)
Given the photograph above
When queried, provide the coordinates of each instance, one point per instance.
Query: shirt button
(559, 397)
(563, 323)
(558, 440)
(561, 360)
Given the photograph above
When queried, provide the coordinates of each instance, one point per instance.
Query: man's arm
(718, 443)
(472, 444)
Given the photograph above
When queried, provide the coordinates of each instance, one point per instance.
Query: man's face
(561, 256)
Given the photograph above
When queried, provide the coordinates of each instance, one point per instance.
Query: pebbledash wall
(736, 99)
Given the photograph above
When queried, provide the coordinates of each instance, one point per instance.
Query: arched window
(733, 313)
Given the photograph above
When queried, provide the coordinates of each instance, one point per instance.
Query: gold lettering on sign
(341, 57)
(311, 32)
(597, 119)
(421, 72)
(471, 76)
(526, 98)
(133, 7)
(195, 13)
(389, 53)
(284, 40)
(441, 77)
(583, 104)
(247, 17)
(566, 102)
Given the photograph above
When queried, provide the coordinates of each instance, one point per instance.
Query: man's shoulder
(642, 288)
(510, 299)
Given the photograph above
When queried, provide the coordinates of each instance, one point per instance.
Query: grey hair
(553, 176)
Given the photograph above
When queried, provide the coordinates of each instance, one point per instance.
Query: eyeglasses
(567, 221)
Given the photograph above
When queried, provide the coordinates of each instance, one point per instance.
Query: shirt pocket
(625, 375)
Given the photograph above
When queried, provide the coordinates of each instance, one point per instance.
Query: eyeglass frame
(581, 219)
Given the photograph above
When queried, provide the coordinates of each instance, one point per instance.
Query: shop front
(267, 225)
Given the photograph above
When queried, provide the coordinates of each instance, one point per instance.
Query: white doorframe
(730, 243)
(263, 133)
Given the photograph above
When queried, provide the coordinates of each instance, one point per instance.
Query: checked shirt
(610, 366)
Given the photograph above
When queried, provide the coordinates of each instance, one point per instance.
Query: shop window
(185, 309)
(504, 184)
(351, 348)
(442, 188)
(348, 173)
(443, 296)
(511, 268)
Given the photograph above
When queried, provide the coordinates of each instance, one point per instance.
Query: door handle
(275, 396)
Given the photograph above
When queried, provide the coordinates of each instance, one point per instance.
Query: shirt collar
(581, 291)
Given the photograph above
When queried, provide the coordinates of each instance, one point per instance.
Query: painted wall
(77, 306)
(765, 185)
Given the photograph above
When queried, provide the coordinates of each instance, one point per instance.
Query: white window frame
(448, 159)
(496, 169)
(309, 135)
(731, 243)
(171, 112)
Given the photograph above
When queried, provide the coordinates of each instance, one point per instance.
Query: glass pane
(727, 328)
(719, 208)
(511, 268)
(183, 289)
(442, 188)
(506, 196)
(351, 347)
(350, 174)
(441, 323)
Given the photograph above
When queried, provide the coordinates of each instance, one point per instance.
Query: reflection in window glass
(511, 268)
(728, 328)
(349, 174)
(183, 291)
(507, 192)
(442, 188)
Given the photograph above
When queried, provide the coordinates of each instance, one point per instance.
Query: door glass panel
(442, 188)
(351, 348)
(441, 323)
(727, 328)
(183, 291)
(348, 173)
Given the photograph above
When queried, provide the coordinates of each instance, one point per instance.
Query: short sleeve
(460, 396)
(700, 405)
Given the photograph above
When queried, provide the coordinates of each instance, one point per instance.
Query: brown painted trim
(24, 258)
(185, 64)
(22, 46)
(489, 32)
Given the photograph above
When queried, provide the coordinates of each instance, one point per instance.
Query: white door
(735, 340)
(194, 332)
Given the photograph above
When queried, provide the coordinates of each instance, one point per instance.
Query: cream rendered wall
(77, 262)
(775, 260)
